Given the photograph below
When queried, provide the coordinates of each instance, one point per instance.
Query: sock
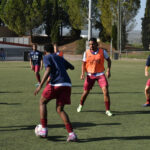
(69, 127)
(148, 100)
(43, 123)
(107, 105)
(38, 78)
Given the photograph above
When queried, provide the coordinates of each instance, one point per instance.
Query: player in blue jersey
(147, 88)
(36, 62)
(59, 88)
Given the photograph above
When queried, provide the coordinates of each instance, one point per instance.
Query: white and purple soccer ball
(38, 129)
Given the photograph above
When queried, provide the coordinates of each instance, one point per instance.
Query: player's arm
(44, 79)
(108, 73)
(41, 63)
(30, 63)
(83, 70)
(68, 65)
(146, 71)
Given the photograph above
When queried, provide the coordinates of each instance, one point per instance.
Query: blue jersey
(58, 66)
(36, 57)
(148, 61)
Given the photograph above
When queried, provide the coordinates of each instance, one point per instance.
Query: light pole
(90, 20)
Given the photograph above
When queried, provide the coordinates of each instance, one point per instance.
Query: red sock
(69, 127)
(43, 122)
(107, 105)
(38, 78)
(148, 101)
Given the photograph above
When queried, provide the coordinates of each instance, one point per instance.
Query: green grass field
(128, 129)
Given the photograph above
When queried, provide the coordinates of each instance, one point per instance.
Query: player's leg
(147, 95)
(64, 116)
(37, 73)
(88, 84)
(43, 116)
(63, 98)
(102, 81)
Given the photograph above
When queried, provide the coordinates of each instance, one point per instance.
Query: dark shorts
(36, 68)
(90, 80)
(62, 94)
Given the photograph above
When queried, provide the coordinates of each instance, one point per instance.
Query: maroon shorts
(90, 80)
(62, 94)
(36, 68)
(148, 82)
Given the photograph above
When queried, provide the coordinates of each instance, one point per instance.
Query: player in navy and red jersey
(59, 88)
(147, 88)
(36, 62)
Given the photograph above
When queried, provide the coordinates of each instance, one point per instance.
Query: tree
(109, 13)
(146, 27)
(25, 15)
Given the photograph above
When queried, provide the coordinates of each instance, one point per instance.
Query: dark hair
(93, 39)
(49, 48)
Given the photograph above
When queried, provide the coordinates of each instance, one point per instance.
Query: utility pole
(119, 28)
(90, 20)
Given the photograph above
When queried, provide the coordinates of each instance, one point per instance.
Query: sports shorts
(36, 68)
(90, 80)
(62, 94)
(148, 82)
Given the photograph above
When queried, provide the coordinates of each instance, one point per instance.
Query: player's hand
(82, 76)
(146, 73)
(37, 90)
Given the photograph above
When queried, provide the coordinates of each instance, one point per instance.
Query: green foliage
(81, 46)
(146, 27)
(77, 13)
(114, 36)
(109, 15)
(22, 16)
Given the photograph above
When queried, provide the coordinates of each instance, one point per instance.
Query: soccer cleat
(43, 132)
(108, 113)
(146, 105)
(72, 138)
(79, 108)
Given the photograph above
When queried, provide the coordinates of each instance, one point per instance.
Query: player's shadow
(109, 92)
(114, 138)
(120, 112)
(7, 92)
(1, 103)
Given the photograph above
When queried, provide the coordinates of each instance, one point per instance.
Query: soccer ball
(37, 129)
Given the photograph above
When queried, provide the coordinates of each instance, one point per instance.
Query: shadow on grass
(110, 93)
(10, 103)
(6, 92)
(114, 138)
(120, 112)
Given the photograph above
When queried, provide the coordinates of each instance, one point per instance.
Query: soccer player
(147, 88)
(59, 88)
(93, 64)
(36, 62)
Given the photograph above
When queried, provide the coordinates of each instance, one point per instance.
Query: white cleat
(79, 108)
(108, 113)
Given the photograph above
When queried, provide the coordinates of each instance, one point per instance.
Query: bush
(81, 47)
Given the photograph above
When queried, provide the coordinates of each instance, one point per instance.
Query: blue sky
(140, 15)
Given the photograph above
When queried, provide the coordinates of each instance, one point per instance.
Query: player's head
(49, 48)
(34, 46)
(93, 44)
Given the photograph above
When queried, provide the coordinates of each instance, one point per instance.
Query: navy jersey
(148, 61)
(36, 57)
(58, 74)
